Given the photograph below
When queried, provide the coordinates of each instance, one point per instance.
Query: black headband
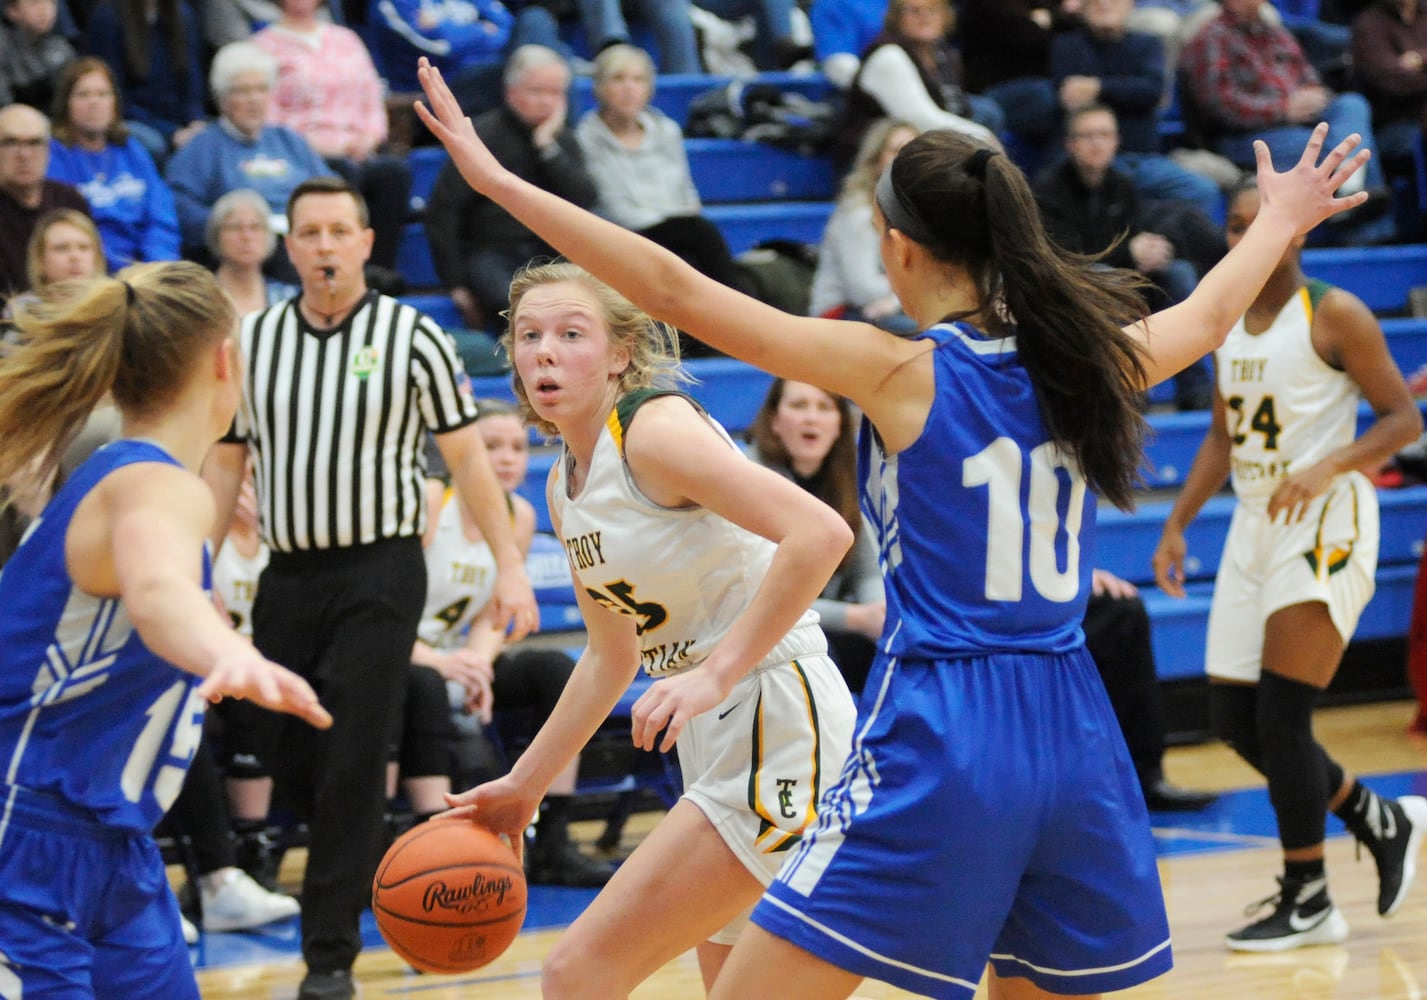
(899, 214)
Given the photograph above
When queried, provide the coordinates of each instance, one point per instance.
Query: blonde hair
(653, 346)
(35, 252)
(618, 58)
(863, 176)
(136, 336)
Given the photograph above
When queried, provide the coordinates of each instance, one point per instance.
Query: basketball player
(1297, 570)
(988, 809)
(700, 566)
(109, 644)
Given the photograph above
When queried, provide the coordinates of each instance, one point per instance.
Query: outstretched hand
(247, 674)
(1304, 195)
(441, 113)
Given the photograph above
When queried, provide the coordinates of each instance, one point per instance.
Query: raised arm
(1293, 202)
(851, 359)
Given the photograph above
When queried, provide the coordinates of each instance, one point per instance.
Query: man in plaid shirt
(1248, 79)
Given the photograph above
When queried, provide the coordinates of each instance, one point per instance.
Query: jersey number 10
(999, 467)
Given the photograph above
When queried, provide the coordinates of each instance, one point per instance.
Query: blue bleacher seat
(413, 258)
(746, 225)
(1175, 437)
(1380, 276)
(425, 163)
(728, 170)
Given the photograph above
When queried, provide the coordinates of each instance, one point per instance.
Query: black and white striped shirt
(335, 420)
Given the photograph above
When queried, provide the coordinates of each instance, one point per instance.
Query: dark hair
(139, 35)
(329, 184)
(1067, 312)
(75, 70)
(136, 336)
(835, 482)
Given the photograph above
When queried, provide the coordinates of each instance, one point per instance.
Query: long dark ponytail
(1067, 311)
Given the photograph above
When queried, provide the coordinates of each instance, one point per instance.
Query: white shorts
(1330, 555)
(758, 764)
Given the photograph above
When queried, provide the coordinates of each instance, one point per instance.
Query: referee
(341, 386)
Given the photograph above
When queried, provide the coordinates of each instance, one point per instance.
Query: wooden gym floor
(1212, 864)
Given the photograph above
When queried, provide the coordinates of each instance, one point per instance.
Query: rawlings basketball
(449, 896)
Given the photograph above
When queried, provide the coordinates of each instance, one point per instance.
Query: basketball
(449, 896)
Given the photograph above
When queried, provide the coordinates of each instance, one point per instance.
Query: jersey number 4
(1000, 468)
(1264, 421)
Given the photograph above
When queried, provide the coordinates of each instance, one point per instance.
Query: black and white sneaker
(1398, 828)
(1302, 915)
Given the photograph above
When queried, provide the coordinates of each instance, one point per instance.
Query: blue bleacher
(1175, 437)
(1380, 276)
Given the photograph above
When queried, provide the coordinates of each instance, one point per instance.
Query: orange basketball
(449, 896)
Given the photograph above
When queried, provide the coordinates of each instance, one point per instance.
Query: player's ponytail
(134, 336)
(975, 209)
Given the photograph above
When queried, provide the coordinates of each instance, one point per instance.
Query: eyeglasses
(16, 142)
(243, 227)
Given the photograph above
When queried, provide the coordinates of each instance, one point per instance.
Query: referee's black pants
(346, 620)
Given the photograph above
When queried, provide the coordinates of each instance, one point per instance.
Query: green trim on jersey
(1316, 290)
(628, 404)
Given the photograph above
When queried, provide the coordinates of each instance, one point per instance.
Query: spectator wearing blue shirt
(154, 49)
(842, 31)
(240, 150)
(91, 149)
(468, 40)
(1102, 62)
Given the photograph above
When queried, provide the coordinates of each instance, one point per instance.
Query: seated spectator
(850, 279)
(911, 73)
(1103, 62)
(635, 154)
(227, 21)
(25, 193)
(32, 52)
(1390, 62)
(328, 92)
(467, 40)
(241, 239)
(809, 436)
(65, 245)
(842, 31)
(459, 641)
(156, 54)
(476, 245)
(1117, 636)
(92, 150)
(1091, 208)
(1007, 49)
(1245, 79)
(241, 150)
(604, 24)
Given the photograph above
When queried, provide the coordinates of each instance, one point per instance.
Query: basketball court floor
(1212, 863)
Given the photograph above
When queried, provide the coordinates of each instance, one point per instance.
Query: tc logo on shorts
(785, 797)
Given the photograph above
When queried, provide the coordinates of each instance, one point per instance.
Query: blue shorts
(85, 909)
(988, 810)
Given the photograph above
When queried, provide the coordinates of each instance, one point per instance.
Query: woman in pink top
(328, 91)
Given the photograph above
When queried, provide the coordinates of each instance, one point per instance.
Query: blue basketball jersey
(985, 527)
(87, 713)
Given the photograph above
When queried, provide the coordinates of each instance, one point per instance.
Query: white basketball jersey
(1287, 407)
(683, 574)
(235, 579)
(460, 578)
